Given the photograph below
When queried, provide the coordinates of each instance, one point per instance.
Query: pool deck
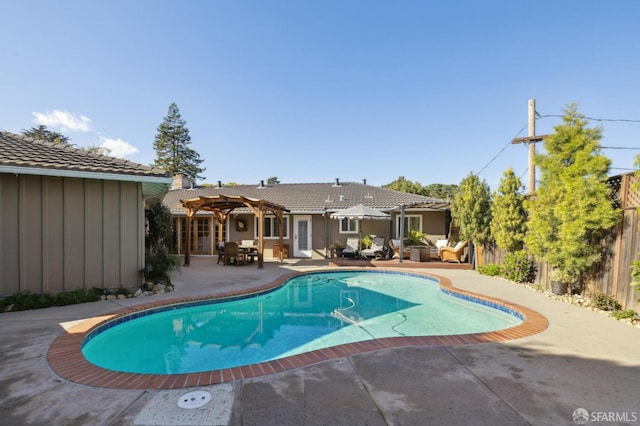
(583, 359)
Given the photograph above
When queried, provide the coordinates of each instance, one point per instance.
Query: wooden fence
(611, 276)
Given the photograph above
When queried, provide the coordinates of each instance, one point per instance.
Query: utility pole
(532, 146)
(531, 140)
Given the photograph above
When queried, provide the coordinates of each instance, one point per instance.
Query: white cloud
(63, 120)
(117, 147)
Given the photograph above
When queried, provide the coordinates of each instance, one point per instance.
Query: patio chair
(221, 251)
(376, 249)
(351, 249)
(252, 252)
(452, 253)
(395, 246)
(435, 249)
(231, 253)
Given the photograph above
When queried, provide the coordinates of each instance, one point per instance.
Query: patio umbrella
(360, 212)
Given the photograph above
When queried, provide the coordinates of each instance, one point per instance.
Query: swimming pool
(311, 311)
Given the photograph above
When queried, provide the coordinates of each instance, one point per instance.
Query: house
(309, 229)
(71, 219)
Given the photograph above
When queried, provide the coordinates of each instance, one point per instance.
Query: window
(348, 226)
(271, 229)
(411, 223)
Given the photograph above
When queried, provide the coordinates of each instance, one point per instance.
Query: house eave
(152, 185)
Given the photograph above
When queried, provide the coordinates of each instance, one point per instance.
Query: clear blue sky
(310, 91)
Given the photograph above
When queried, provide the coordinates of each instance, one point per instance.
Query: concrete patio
(582, 360)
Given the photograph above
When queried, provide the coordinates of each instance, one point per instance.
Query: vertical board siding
(53, 234)
(111, 234)
(129, 235)
(60, 234)
(93, 218)
(74, 234)
(9, 234)
(31, 234)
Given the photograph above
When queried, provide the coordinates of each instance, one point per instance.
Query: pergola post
(260, 238)
(187, 250)
(280, 233)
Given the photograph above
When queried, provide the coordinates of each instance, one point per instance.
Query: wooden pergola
(222, 206)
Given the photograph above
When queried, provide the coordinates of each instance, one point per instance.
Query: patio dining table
(248, 252)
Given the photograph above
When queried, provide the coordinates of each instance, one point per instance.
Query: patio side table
(420, 253)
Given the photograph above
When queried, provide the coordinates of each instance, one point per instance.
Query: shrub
(366, 242)
(517, 267)
(490, 269)
(635, 273)
(27, 300)
(626, 314)
(158, 261)
(604, 302)
(415, 238)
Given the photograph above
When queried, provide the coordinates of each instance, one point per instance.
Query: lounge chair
(435, 249)
(395, 246)
(452, 253)
(351, 248)
(376, 249)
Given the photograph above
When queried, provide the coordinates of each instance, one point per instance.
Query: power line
(503, 148)
(619, 147)
(625, 120)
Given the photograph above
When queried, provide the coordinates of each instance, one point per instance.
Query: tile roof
(21, 151)
(309, 197)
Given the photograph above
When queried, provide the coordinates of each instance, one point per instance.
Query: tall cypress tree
(172, 147)
(571, 210)
(508, 215)
(471, 210)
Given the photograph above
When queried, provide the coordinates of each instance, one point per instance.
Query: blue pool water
(309, 312)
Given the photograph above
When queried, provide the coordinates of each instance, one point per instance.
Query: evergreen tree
(440, 190)
(571, 211)
(435, 190)
(172, 147)
(508, 215)
(404, 185)
(471, 210)
(42, 133)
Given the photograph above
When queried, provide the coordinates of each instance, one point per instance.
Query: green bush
(490, 269)
(158, 261)
(517, 267)
(604, 302)
(635, 273)
(626, 314)
(366, 242)
(27, 300)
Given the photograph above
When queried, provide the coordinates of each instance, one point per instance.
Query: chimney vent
(219, 184)
(261, 184)
(337, 182)
(364, 181)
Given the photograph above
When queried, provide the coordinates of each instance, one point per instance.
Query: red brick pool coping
(67, 361)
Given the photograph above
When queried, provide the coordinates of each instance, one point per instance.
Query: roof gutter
(85, 174)
(152, 186)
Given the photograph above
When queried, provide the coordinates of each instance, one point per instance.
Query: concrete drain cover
(195, 399)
